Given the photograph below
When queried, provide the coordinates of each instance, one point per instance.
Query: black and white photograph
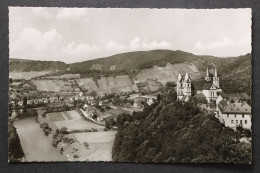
(141, 85)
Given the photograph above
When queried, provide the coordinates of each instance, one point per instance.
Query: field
(97, 137)
(54, 85)
(72, 120)
(60, 116)
(79, 124)
(100, 145)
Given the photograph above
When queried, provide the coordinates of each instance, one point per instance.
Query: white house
(233, 110)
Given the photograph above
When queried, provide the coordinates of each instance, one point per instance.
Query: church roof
(207, 85)
(198, 84)
(201, 85)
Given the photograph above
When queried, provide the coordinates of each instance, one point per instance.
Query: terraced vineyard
(169, 72)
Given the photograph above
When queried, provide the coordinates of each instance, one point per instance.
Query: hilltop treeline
(20, 65)
(171, 131)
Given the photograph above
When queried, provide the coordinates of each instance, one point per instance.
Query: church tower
(179, 83)
(207, 77)
(216, 78)
(187, 85)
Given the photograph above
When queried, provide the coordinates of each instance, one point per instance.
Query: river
(36, 146)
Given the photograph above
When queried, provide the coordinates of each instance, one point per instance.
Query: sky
(81, 34)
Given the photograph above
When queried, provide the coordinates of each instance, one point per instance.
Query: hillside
(170, 131)
(163, 65)
(236, 76)
(135, 60)
(21, 65)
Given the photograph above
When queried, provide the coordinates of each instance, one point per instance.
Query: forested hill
(236, 76)
(21, 65)
(234, 72)
(137, 60)
(171, 131)
(129, 60)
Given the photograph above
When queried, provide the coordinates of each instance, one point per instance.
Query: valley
(79, 105)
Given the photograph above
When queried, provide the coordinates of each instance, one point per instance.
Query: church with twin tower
(208, 87)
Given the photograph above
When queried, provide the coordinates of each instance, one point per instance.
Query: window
(232, 121)
(235, 115)
(227, 115)
(241, 122)
(236, 121)
(243, 116)
(245, 121)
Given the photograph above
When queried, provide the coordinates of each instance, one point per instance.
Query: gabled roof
(236, 97)
(235, 108)
(207, 85)
(202, 85)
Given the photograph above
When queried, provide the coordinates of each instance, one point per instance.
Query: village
(83, 124)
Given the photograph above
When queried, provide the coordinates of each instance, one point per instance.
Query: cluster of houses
(55, 99)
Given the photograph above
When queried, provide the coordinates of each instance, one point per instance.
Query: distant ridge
(235, 71)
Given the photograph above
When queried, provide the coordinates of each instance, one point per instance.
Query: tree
(24, 100)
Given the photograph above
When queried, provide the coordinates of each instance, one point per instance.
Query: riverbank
(15, 152)
(36, 146)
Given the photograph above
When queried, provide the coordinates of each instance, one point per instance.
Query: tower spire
(179, 77)
(216, 73)
(207, 77)
(207, 72)
(187, 77)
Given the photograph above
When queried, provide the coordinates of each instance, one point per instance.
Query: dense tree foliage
(173, 131)
(236, 76)
(15, 152)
